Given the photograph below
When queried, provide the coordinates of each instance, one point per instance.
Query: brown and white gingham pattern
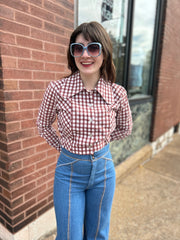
(87, 120)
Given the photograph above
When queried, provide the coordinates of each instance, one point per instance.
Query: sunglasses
(93, 49)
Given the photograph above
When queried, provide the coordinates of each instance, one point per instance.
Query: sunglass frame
(85, 48)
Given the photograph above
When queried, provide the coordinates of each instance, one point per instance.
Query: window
(112, 14)
(139, 82)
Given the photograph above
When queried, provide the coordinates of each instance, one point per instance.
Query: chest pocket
(92, 119)
(105, 119)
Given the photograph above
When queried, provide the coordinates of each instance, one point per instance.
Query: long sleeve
(123, 119)
(47, 116)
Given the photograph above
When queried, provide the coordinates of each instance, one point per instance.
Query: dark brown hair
(95, 32)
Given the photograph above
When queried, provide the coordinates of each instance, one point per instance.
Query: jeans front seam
(69, 210)
(100, 205)
(65, 164)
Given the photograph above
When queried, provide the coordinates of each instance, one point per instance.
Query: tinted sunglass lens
(77, 50)
(94, 49)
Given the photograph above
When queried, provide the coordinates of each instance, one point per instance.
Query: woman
(91, 111)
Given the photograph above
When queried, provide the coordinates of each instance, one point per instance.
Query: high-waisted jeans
(83, 193)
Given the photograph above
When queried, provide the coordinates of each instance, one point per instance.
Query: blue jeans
(83, 193)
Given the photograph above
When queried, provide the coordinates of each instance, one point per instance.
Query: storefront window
(141, 48)
(131, 27)
(112, 14)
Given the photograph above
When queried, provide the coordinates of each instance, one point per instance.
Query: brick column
(34, 37)
(167, 104)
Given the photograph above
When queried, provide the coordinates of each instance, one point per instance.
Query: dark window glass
(141, 48)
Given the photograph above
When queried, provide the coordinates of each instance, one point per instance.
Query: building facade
(34, 37)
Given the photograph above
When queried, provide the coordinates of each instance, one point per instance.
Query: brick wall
(167, 106)
(34, 37)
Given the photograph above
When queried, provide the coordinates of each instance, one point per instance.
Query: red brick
(29, 64)
(17, 4)
(50, 185)
(43, 75)
(35, 191)
(42, 13)
(10, 85)
(23, 207)
(23, 190)
(61, 59)
(52, 152)
(47, 57)
(29, 105)
(45, 162)
(16, 184)
(12, 127)
(8, 62)
(5, 185)
(21, 154)
(27, 85)
(6, 12)
(20, 135)
(28, 20)
(53, 7)
(52, 167)
(67, 4)
(45, 178)
(54, 67)
(50, 47)
(64, 22)
(45, 194)
(53, 28)
(17, 74)
(36, 112)
(18, 219)
(36, 207)
(7, 38)
(18, 95)
(3, 136)
(42, 35)
(36, 2)
(11, 106)
(38, 94)
(12, 147)
(33, 159)
(42, 147)
(13, 27)
(29, 42)
(21, 173)
(13, 166)
(30, 123)
(3, 147)
(30, 142)
(17, 202)
(34, 176)
(15, 51)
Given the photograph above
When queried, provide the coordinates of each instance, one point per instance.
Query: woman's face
(87, 65)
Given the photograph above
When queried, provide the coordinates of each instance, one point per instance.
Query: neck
(90, 81)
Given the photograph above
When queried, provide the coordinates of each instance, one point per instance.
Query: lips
(86, 64)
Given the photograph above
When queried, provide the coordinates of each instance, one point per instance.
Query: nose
(85, 53)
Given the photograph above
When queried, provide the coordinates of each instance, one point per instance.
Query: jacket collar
(73, 85)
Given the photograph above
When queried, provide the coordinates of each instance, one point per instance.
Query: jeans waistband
(97, 154)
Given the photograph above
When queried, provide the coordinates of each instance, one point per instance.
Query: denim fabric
(83, 192)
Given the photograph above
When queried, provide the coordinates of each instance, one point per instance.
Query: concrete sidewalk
(146, 205)
(147, 201)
